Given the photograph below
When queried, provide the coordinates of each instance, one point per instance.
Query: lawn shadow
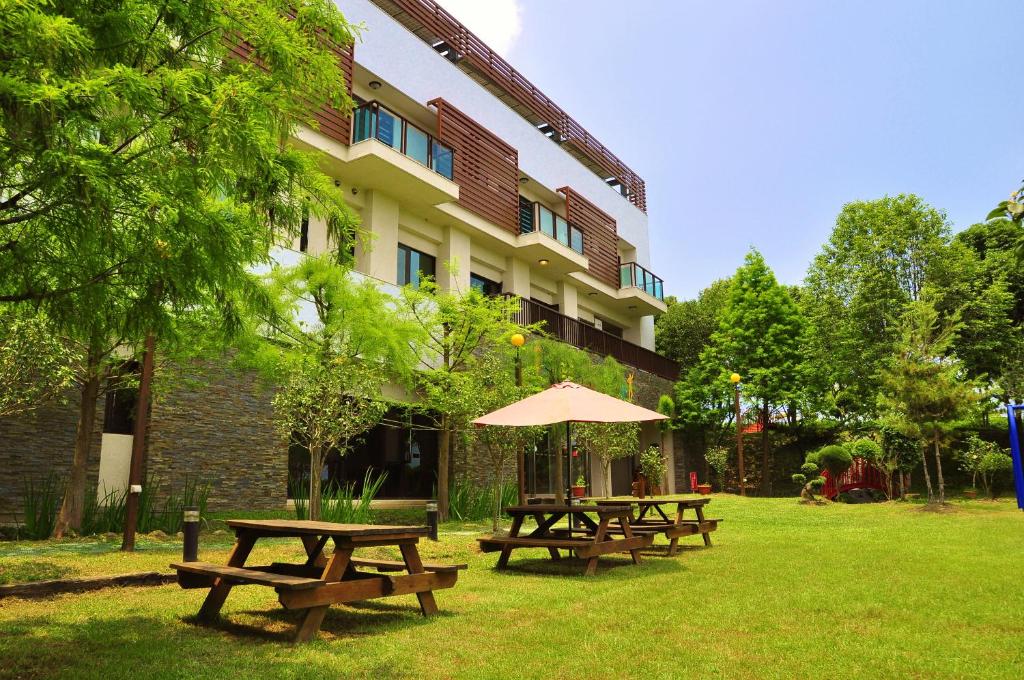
(567, 566)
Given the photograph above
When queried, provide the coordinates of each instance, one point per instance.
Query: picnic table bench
(658, 521)
(593, 540)
(321, 581)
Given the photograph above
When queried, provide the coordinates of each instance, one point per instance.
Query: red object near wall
(693, 482)
(861, 475)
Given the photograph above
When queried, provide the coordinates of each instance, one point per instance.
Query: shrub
(40, 504)
(865, 448)
(834, 458)
(652, 464)
(340, 503)
(992, 468)
(809, 478)
(718, 458)
(470, 503)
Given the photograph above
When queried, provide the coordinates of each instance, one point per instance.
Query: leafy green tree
(809, 478)
(145, 169)
(759, 337)
(990, 299)
(877, 260)
(455, 329)
(331, 346)
(33, 362)
(925, 389)
(1013, 210)
(609, 442)
(682, 332)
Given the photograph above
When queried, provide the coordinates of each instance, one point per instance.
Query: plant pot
(579, 491)
(704, 489)
(656, 490)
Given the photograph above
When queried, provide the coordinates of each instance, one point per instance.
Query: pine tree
(758, 337)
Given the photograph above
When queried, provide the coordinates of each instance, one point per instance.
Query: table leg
(602, 528)
(553, 552)
(220, 589)
(411, 556)
(315, 550)
(700, 519)
(506, 550)
(627, 532)
(314, 616)
(673, 545)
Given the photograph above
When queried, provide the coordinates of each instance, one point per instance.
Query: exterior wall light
(524, 180)
(517, 340)
(374, 84)
(542, 262)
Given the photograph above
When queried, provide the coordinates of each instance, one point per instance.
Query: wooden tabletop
(548, 508)
(689, 502)
(302, 527)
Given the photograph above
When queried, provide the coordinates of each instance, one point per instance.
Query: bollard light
(432, 519)
(190, 532)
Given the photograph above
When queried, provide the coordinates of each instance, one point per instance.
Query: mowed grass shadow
(565, 566)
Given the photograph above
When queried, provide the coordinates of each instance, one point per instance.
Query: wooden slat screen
(600, 237)
(486, 168)
(442, 25)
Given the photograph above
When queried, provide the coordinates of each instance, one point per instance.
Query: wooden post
(138, 461)
(739, 443)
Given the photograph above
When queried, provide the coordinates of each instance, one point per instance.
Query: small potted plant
(704, 489)
(652, 465)
(579, 490)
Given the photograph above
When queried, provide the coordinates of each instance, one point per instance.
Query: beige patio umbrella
(567, 402)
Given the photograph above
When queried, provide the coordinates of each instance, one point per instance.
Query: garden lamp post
(735, 380)
(518, 341)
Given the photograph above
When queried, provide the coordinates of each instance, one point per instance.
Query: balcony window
(547, 221)
(413, 266)
(632, 275)
(371, 120)
(561, 230)
(576, 239)
(551, 225)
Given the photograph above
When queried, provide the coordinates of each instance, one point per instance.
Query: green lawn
(787, 591)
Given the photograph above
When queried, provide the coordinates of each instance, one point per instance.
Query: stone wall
(38, 444)
(216, 426)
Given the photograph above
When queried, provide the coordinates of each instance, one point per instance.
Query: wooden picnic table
(594, 538)
(321, 581)
(658, 521)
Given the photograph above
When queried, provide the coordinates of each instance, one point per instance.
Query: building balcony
(587, 337)
(632, 275)
(373, 121)
(549, 239)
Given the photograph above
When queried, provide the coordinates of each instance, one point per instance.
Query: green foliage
(341, 503)
(877, 260)
(925, 391)
(33, 361)
(865, 448)
(685, 329)
(835, 459)
(809, 478)
(718, 458)
(40, 500)
(992, 468)
(652, 464)
(108, 514)
(472, 503)
(1013, 210)
(609, 442)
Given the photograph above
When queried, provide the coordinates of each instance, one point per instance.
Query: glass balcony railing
(632, 275)
(534, 217)
(371, 120)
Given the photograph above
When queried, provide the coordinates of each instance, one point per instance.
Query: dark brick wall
(216, 425)
(36, 444)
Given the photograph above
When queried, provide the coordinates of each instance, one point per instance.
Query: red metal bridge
(861, 475)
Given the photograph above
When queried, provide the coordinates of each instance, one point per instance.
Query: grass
(788, 591)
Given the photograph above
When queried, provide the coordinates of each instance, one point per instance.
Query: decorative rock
(157, 534)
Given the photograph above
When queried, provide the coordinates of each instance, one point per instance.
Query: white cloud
(496, 22)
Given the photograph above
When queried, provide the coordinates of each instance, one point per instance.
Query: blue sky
(754, 122)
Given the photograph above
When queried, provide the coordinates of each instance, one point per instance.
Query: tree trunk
(560, 454)
(606, 473)
(316, 466)
(766, 481)
(903, 484)
(70, 516)
(938, 471)
(499, 478)
(443, 451)
(927, 476)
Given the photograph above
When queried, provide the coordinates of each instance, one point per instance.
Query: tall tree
(877, 260)
(331, 346)
(33, 362)
(925, 389)
(759, 337)
(146, 166)
(682, 332)
(455, 327)
(1012, 209)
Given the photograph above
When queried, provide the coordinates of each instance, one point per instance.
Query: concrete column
(567, 300)
(378, 257)
(634, 333)
(453, 261)
(516, 279)
(647, 332)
